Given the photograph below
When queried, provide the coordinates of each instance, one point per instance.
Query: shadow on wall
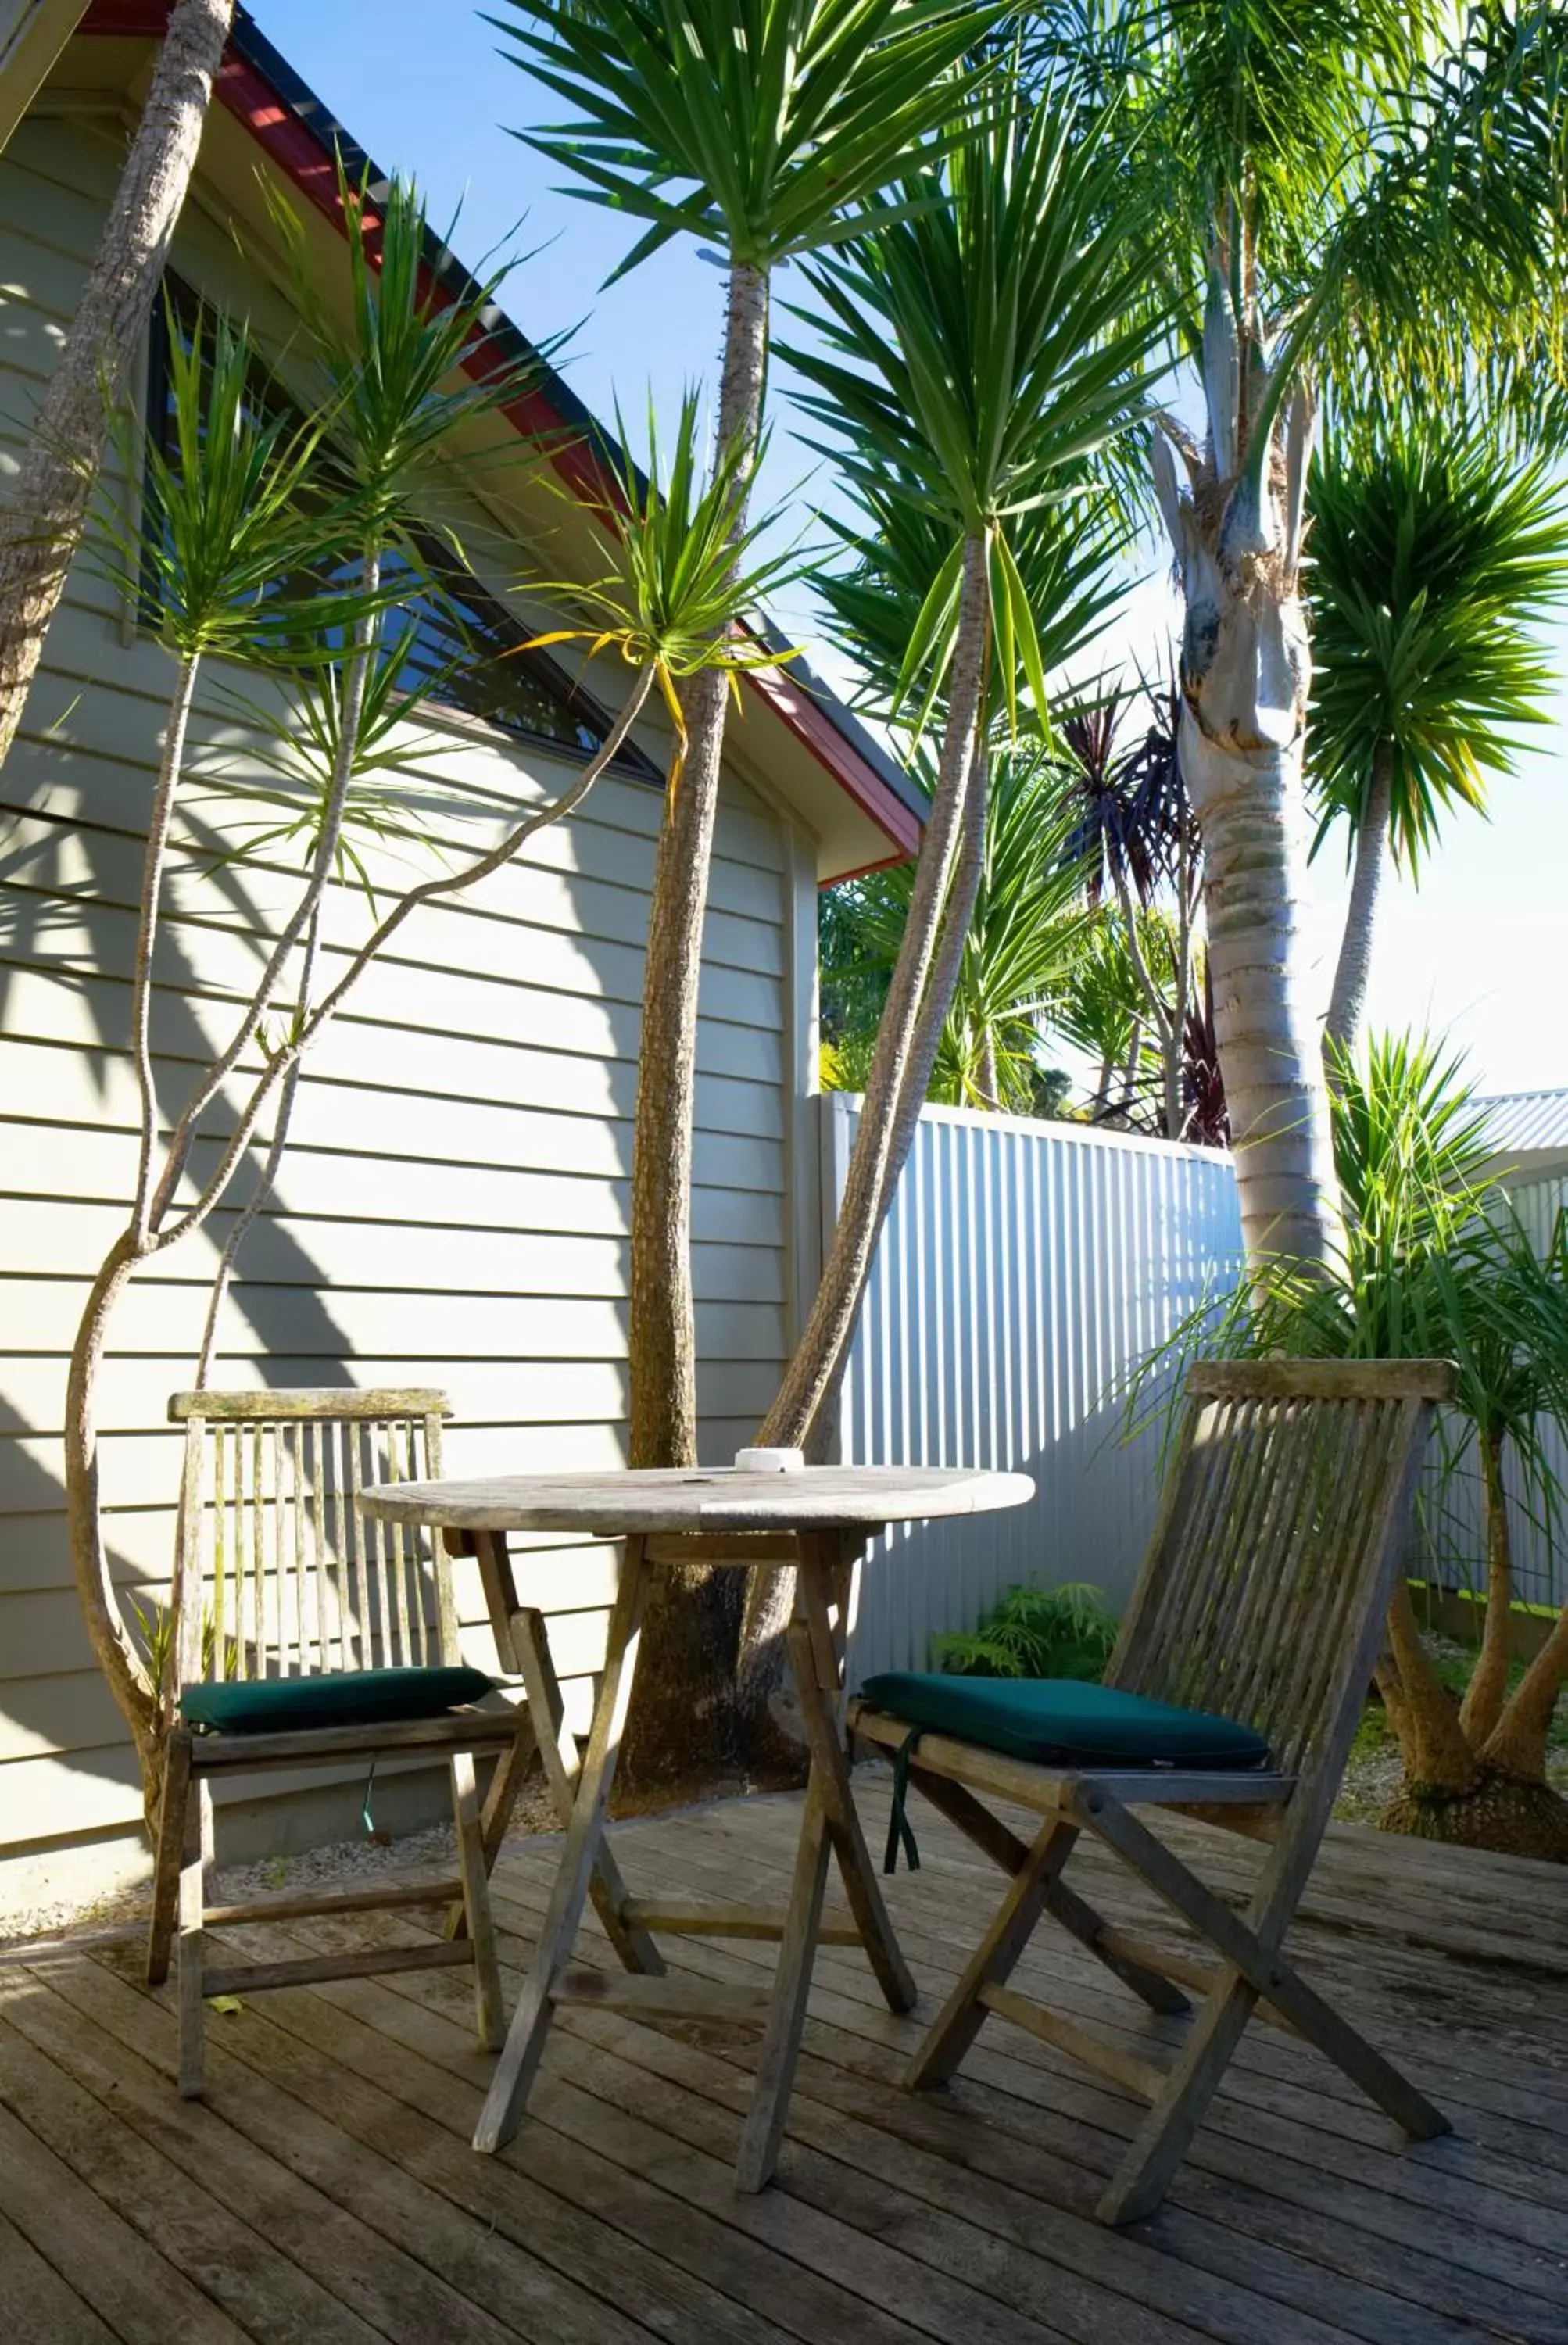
(64, 920)
(462, 1179)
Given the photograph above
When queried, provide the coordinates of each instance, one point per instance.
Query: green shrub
(1034, 1632)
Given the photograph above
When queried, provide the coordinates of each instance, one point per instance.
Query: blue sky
(1480, 951)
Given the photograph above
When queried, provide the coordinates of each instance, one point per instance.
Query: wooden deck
(327, 2193)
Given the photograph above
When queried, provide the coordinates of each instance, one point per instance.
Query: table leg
(519, 2061)
(816, 1645)
(817, 1642)
(763, 2130)
(558, 1751)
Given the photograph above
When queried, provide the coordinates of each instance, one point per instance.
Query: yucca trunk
(42, 521)
(1353, 969)
(1237, 527)
(676, 1729)
(925, 975)
(124, 1669)
(1484, 1695)
(1475, 1773)
(1248, 799)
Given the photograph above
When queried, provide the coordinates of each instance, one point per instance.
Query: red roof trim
(808, 723)
(304, 159)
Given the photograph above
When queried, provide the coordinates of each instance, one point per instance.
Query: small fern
(1034, 1632)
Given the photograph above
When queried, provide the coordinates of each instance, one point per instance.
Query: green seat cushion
(1062, 1721)
(348, 1698)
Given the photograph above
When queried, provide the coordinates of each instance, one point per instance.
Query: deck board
(327, 2192)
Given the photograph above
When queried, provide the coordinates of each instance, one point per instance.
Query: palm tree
(978, 338)
(1342, 191)
(978, 344)
(42, 519)
(752, 124)
(1433, 558)
(1026, 932)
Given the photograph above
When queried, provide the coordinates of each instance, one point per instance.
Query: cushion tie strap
(898, 1820)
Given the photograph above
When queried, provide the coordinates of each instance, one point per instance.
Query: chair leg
(192, 1913)
(506, 1780)
(1251, 1946)
(475, 1872)
(1065, 1905)
(964, 2013)
(170, 1845)
(1162, 2141)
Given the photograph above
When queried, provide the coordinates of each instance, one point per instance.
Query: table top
(720, 1499)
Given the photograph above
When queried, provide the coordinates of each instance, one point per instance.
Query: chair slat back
(1279, 1535)
(279, 1571)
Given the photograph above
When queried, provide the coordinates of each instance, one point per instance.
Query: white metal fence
(1023, 1269)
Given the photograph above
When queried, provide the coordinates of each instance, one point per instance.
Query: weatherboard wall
(452, 1209)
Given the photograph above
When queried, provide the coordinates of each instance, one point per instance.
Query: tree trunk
(1517, 1744)
(43, 517)
(1248, 801)
(1483, 1697)
(947, 884)
(886, 1128)
(1437, 1757)
(988, 1080)
(116, 1656)
(1352, 973)
(1246, 670)
(676, 1729)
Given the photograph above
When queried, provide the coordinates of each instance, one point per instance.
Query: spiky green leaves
(1434, 561)
(228, 517)
(755, 124)
(682, 578)
(980, 346)
(413, 364)
(1028, 929)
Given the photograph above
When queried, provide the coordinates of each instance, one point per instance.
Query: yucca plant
(977, 344)
(1437, 1263)
(245, 515)
(1436, 557)
(1025, 933)
(396, 384)
(755, 126)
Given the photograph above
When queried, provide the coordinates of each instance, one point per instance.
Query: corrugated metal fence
(1024, 1268)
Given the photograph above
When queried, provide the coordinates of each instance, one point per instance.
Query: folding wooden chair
(306, 1635)
(1261, 1606)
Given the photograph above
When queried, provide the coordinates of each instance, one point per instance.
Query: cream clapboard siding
(453, 1205)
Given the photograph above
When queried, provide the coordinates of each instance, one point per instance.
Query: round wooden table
(817, 1519)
